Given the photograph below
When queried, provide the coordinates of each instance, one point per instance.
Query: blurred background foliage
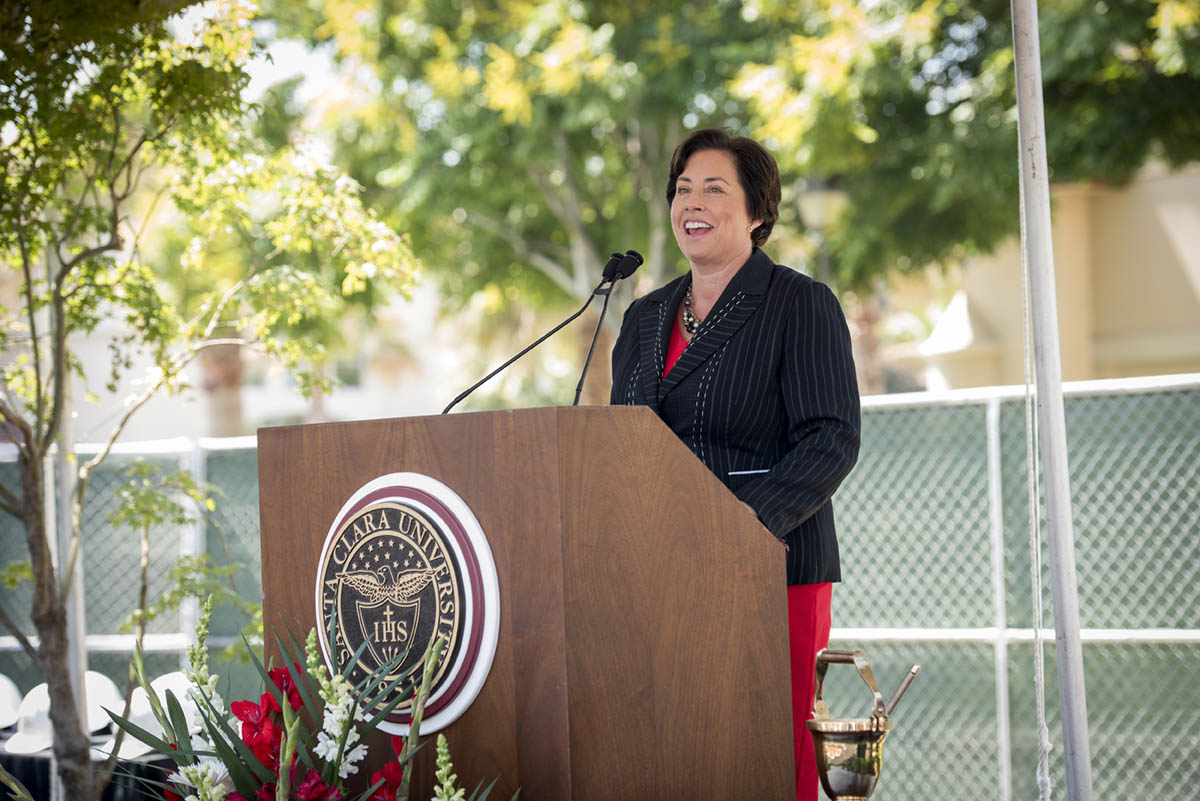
(519, 142)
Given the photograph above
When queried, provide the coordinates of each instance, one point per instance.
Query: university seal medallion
(406, 561)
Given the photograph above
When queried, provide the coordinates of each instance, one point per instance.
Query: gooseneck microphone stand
(607, 292)
(530, 347)
(618, 267)
(623, 269)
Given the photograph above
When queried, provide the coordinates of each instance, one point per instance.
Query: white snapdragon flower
(338, 732)
(326, 747)
(356, 755)
(209, 777)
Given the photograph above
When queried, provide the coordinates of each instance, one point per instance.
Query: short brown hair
(756, 168)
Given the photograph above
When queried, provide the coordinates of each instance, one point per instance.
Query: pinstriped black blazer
(765, 395)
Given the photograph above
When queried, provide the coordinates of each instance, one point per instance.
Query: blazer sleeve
(820, 396)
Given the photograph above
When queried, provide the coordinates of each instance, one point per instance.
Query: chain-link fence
(111, 556)
(934, 530)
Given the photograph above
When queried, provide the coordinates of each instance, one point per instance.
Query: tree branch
(28, 438)
(39, 405)
(58, 346)
(68, 294)
(182, 361)
(562, 153)
(58, 314)
(85, 470)
(144, 139)
(116, 141)
(550, 194)
(11, 503)
(586, 259)
(551, 268)
(88, 184)
(112, 243)
(137, 235)
(12, 510)
(115, 198)
(645, 148)
(220, 307)
(16, 632)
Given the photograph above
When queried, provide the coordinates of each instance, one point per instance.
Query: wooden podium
(642, 650)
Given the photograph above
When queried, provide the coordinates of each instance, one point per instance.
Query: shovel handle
(908, 677)
(826, 657)
(829, 656)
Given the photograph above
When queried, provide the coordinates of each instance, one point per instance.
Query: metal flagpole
(1039, 256)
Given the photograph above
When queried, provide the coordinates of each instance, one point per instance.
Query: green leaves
(520, 147)
(14, 573)
(123, 104)
(150, 498)
(936, 178)
(120, 136)
(511, 144)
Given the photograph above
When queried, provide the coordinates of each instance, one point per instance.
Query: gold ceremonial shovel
(850, 752)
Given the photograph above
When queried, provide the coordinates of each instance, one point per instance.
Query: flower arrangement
(264, 751)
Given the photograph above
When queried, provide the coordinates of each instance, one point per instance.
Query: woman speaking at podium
(749, 363)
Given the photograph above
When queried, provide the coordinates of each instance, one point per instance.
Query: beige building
(1127, 269)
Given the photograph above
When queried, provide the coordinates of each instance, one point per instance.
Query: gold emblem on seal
(390, 580)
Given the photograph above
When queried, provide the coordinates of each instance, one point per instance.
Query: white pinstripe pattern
(712, 321)
(702, 402)
(660, 361)
(767, 383)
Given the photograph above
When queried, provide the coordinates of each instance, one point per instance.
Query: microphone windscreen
(610, 269)
(629, 264)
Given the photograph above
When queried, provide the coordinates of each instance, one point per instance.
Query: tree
(523, 142)
(910, 108)
(97, 96)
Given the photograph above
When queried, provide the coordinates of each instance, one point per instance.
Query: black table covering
(128, 780)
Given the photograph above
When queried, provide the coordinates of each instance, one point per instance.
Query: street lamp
(820, 204)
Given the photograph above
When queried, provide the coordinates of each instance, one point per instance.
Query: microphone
(610, 268)
(625, 267)
(617, 267)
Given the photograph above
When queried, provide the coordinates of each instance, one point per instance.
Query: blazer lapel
(654, 333)
(737, 304)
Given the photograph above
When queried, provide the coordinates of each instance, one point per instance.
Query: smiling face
(708, 212)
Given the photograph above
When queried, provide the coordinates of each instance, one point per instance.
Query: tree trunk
(222, 383)
(50, 620)
(864, 316)
(317, 413)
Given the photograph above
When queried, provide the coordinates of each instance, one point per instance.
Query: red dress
(808, 632)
